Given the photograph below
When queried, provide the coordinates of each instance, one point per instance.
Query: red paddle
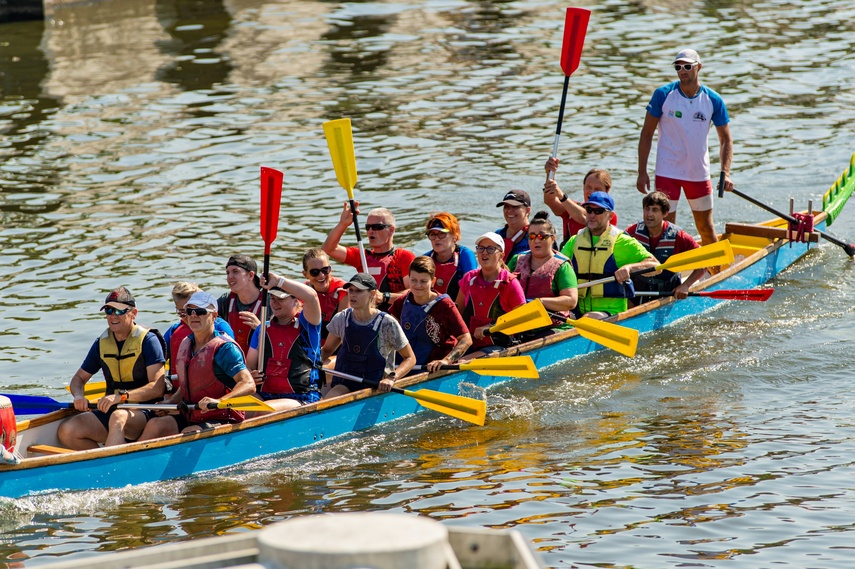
(575, 27)
(760, 295)
(271, 199)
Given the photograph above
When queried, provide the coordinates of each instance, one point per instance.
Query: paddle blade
(575, 27)
(245, 403)
(35, 404)
(712, 255)
(271, 198)
(621, 339)
(759, 295)
(464, 408)
(340, 141)
(529, 316)
(92, 390)
(515, 366)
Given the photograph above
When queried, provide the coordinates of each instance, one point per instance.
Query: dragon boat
(761, 251)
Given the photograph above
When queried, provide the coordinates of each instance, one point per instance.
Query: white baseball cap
(688, 55)
(495, 238)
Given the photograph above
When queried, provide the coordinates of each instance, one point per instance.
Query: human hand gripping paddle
(465, 408)
(271, 199)
(714, 254)
(513, 366)
(575, 27)
(759, 295)
(339, 135)
(848, 248)
(39, 405)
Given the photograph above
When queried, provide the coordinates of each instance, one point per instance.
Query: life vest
(359, 353)
(447, 276)
(511, 242)
(287, 366)
(125, 368)
(539, 284)
(414, 320)
(178, 335)
(483, 306)
(242, 331)
(196, 375)
(329, 303)
(592, 262)
(385, 270)
(666, 280)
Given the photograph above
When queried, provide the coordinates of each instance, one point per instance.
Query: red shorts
(698, 194)
(694, 190)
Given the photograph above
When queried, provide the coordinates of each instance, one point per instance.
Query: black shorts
(105, 417)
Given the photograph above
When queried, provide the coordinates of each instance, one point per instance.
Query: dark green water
(131, 136)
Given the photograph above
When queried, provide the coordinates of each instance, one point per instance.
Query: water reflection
(197, 30)
(23, 110)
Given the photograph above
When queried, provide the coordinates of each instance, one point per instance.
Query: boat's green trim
(837, 195)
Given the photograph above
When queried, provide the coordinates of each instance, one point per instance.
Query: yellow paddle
(514, 366)
(465, 408)
(243, 403)
(712, 255)
(95, 390)
(339, 135)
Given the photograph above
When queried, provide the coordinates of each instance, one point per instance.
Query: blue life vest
(359, 353)
(414, 318)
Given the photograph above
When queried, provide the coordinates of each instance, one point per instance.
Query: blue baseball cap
(601, 199)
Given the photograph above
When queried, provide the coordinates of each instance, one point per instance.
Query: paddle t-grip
(721, 184)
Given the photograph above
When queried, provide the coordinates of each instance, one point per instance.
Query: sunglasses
(181, 312)
(595, 210)
(196, 311)
(684, 66)
(109, 311)
(376, 226)
(325, 270)
(436, 235)
(539, 236)
(488, 250)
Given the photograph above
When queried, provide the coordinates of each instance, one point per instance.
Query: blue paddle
(37, 404)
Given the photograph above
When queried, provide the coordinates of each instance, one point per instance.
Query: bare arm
(683, 290)
(725, 153)
(305, 293)
(331, 246)
(645, 144)
(566, 300)
(623, 274)
(76, 387)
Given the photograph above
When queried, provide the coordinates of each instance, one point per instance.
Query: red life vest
(483, 306)
(445, 273)
(538, 284)
(385, 270)
(511, 242)
(242, 331)
(196, 374)
(287, 364)
(329, 303)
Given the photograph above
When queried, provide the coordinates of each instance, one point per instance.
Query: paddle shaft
(847, 247)
(358, 236)
(551, 174)
(262, 335)
(760, 295)
(358, 379)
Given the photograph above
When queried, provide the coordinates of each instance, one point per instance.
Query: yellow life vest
(123, 369)
(592, 262)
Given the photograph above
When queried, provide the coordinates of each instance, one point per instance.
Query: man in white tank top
(684, 111)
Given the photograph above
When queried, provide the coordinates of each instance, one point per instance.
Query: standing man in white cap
(683, 111)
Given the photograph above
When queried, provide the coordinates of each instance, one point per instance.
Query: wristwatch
(392, 376)
(123, 394)
(386, 297)
(564, 198)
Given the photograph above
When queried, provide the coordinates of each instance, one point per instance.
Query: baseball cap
(119, 298)
(601, 199)
(362, 281)
(495, 238)
(202, 299)
(437, 226)
(515, 198)
(688, 55)
(277, 292)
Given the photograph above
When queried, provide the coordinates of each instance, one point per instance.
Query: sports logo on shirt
(677, 114)
(699, 116)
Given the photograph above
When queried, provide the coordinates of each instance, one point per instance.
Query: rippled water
(131, 133)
